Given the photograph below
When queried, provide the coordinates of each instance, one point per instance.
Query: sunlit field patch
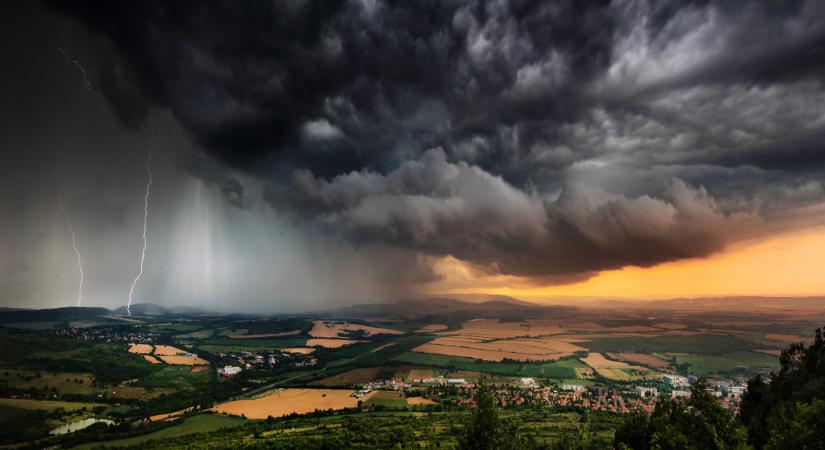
(331, 343)
(151, 359)
(326, 329)
(431, 328)
(288, 401)
(615, 370)
(185, 360)
(298, 350)
(639, 358)
(141, 349)
(167, 350)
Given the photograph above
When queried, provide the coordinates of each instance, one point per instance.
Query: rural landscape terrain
(375, 376)
(420, 224)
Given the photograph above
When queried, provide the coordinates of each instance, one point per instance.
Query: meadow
(726, 363)
(203, 423)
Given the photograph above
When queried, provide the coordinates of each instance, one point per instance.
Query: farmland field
(349, 377)
(331, 343)
(264, 335)
(639, 358)
(703, 365)
(203, 423)
(167, 350)
(288, 401)
(326, 329)
(563, 368)
(140, 349)
(706, 343)
(184, 360)
(389, 399)
(299, 350)
(514, 349)
(413, 401)
(615, 370)
(432, 328)
(47, 404)
(65, 383)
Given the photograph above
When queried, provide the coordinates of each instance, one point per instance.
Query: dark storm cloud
(387, 79)
(550, 139)
(439, 208)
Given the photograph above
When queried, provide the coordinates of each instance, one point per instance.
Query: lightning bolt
(87, 85)
(74, 245)
(145, 224)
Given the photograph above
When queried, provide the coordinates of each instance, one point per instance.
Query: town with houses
(518, 392)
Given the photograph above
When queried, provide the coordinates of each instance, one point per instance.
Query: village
(529, 392)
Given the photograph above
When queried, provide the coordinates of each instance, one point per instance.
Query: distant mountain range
(502, 307)
(461, 308)
(73, 313)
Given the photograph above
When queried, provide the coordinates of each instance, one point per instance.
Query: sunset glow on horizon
(785, 264)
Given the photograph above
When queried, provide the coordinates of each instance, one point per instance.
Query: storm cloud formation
(442, 208)
(544, 139)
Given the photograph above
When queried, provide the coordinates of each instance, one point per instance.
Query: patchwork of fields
(299, 365)
(167, 354)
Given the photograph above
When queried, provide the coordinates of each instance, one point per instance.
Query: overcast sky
(308, 154)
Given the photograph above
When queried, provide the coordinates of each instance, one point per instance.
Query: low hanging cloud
(441, 208)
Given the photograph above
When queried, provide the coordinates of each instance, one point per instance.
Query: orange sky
(787, 264)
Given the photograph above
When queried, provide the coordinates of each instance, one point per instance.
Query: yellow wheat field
(432, 328)
(298, 350)
(184, 360)
(288, 401)
(324, 329)
(331, 343)
(140, 349)
(151, 359)
(167, 350)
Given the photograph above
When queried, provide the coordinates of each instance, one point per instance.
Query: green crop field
(375, 430)
(703, 365)
(389, 399)
(700, 343)
(204, 423)
(223, 344)
(46, 405)
(43, 325)
(174, 376)
(62, 382)
(564, 368)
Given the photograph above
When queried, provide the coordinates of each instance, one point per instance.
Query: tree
(486, 429)
(699, 422)
(778, 414)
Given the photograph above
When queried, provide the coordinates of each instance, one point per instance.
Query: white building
(456, 381)
(737, 391)
(645, 391)
(675, 380)
(229, 371)
(572, 387)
